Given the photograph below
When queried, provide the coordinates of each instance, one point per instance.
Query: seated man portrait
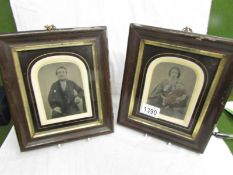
(65, 96)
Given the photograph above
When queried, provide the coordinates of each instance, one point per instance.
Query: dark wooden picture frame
(203, 65)
(30, 62)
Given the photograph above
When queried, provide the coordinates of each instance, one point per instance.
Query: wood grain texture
(15, 97)
(189, 40)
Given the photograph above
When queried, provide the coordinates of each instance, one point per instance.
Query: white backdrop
(125, 151)
(116, 15)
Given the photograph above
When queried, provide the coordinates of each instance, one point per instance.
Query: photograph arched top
(173, 84)
(61, 88)
(61, 84)
(179, 78)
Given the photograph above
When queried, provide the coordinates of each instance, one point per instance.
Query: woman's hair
(174, 68)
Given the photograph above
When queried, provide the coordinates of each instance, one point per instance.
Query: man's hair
(174, 68)
(61, 67)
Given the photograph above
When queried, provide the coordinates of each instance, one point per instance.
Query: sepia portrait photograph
(171, 91)
(171, 83)
(171, 87)
(63, 91)
(61, 84)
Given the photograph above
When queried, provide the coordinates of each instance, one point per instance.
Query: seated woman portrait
(170, 95)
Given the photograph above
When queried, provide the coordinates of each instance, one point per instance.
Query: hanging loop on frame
(50, 28)
(187, 29)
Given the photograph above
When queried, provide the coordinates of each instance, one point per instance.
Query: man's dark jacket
(65, 99)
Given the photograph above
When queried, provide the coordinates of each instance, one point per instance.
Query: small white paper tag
(150, 110)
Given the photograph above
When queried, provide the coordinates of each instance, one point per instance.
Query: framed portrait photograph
(57, 84)
(175, 84)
